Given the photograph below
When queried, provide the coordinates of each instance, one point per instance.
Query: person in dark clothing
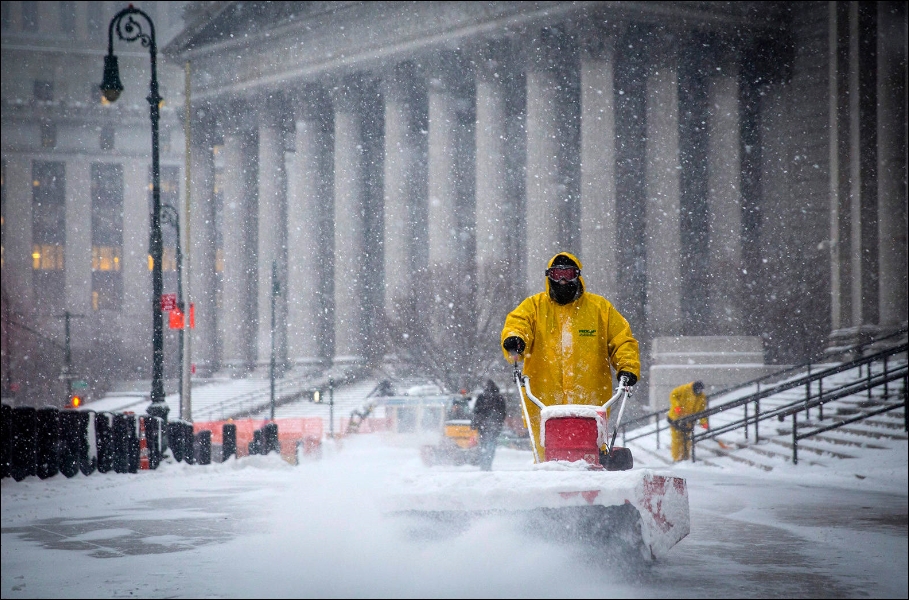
(488, 418)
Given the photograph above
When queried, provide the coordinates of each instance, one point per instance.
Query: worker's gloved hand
(630, 378)
(703, 425)
(514, 345)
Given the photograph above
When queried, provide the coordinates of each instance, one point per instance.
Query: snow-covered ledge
(718, 361)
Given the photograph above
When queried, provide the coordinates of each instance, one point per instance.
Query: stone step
(637, 450)
(846, 442)
(803, 447)
(721, 453)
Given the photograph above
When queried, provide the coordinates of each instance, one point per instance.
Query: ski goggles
(563, 273)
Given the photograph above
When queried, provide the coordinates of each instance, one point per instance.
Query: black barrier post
(89, 442)
(203, 443)
(132, 446)
(6, 429)
(24, 458)
(189, 446)
(161, 431)
(48, 419)
(257, 445)
(152, 440)
(270, 433)
(228, 441)
(121, 443)
(69, 443)
(175, 439)
(104, 432)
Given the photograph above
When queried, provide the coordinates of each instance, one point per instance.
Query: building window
(48, 135)
(29, 16)
(49, 235)
(47, 257)
(68, 17)
(43, 90)
(106, 138)
(107, 236)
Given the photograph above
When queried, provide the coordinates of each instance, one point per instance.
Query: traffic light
(75, 401)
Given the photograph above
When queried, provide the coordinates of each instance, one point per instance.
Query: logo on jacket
(587, 332)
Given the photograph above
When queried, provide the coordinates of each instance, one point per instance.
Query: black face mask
(564, 293)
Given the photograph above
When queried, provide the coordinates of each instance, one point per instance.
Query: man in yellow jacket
(683, 401)
(569, 339)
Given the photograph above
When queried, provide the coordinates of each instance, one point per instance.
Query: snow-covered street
(259, 527)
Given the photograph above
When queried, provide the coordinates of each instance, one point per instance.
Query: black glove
(514, 344)
(630, 378)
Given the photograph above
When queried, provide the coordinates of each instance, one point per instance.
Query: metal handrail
(237, 403)
(760, 394)
(788, 385)
(632, 424)
(822, 397)
(793, 408)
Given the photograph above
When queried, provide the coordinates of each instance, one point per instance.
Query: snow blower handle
(623, 391)
(524, 385)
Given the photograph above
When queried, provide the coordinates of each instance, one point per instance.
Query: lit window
(47, 257)
(105, 258)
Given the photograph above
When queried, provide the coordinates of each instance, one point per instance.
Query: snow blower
(584, 490)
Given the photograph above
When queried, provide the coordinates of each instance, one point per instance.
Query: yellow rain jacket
(683, 402)
(569, 349)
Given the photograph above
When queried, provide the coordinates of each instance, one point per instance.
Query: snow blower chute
(584, 490)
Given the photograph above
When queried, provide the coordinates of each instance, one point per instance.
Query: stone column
(308, 203)
(136, 314)
(17, 231)
(599, 214)
(272, 247)
(853, 175)
(203, 250)
(548, 141)
(404, 181)
(663, 190)
(444, 97)
(238, 316)
(891, 163)
(495, 217)
(350, 172)
(724, 199)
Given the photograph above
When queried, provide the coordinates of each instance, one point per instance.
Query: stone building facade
(732, 175)
(75, 196)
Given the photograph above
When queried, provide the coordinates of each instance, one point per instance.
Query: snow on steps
(884, 432)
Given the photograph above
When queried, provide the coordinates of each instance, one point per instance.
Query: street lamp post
(129, 30)
(170, 215)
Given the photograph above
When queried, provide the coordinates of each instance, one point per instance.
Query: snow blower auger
(584, 490)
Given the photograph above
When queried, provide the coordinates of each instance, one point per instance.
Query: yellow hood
(576, 261)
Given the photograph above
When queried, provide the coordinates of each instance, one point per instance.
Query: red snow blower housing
(578, 432)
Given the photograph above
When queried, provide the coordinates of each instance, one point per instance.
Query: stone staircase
(773, 448)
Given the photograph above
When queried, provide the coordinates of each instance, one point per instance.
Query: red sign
(168, 301)
(176, 317)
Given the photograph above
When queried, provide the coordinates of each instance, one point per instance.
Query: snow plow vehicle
(459, 444)
(584, 490)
